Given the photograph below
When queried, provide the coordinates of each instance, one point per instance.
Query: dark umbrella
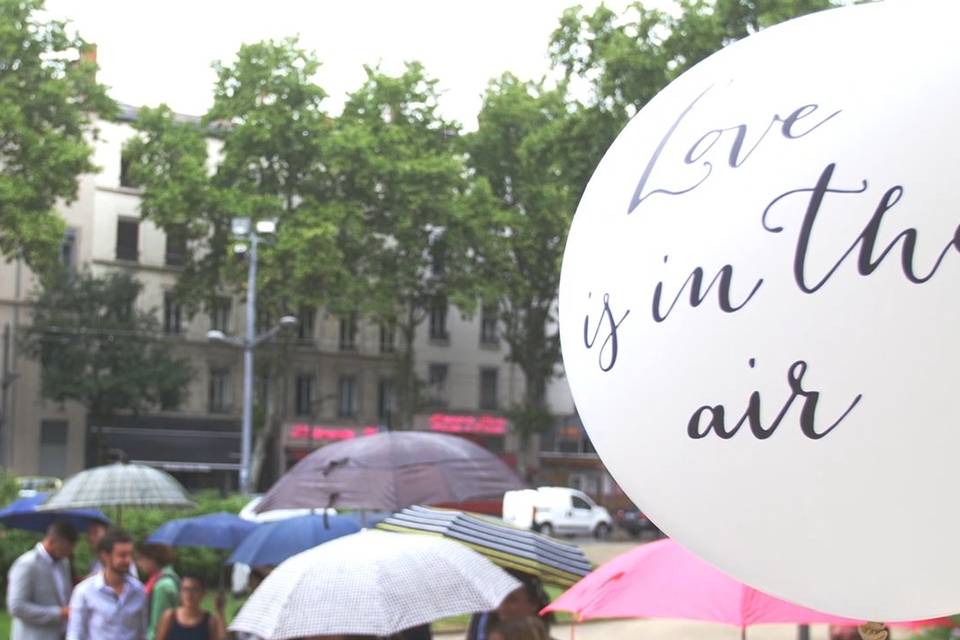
(23, 514)
(391, 471)
(213, 530)
(273, 542)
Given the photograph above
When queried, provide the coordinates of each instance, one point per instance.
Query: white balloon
(759, 310)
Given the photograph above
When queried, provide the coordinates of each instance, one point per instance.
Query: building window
(348, 332)
(488, 325)
(125, 180)
(172, 314)
(437, 381)
(306, 317)
(488, 389)
(176, 254)
(438, 319)
(264, 320)
(220, 314)
(68, 251)
(53, 448)
(388, 338)
(128, 240)
(386, 400)
(304, 394)
(218, 400)
(346, 395)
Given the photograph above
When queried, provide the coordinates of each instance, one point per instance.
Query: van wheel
(602, 532)
(546, 529)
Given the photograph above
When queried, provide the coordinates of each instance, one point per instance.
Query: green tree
(626, 59)
(399, 167)
(521, 155)
(268, 122)
(97, 348)
(48, 98)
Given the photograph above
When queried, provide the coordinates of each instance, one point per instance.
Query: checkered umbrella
(119, 485)
(373, 583)
(553, 561)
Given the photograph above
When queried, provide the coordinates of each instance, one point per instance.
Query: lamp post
(250, 234)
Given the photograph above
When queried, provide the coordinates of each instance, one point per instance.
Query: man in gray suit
(39, 586)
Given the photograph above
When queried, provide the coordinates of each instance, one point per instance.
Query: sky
(153, 52)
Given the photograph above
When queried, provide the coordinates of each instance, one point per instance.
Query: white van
(559, 510)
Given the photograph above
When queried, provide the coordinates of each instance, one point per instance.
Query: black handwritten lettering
(866, 241)
(697, 294)
(751, 416)
(606, 364)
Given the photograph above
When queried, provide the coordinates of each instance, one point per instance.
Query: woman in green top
(160, 581)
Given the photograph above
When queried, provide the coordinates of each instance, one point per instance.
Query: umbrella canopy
(273, 542)
(375, 583)
(23, 514)
(213, 530)
(119, 485)
(663, 580)
(391, 471)
(552, 561)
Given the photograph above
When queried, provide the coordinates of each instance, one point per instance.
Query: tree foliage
(269, 163)
(398, 164)
(519, 155)
(96, 347)
(48, 98)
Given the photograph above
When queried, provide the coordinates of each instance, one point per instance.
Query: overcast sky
(152, 51)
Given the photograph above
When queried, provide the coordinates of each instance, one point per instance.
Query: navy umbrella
(23, 514)
(273, 542)
(213, 530)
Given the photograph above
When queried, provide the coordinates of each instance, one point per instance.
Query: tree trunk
(533, 418)
(406, 376)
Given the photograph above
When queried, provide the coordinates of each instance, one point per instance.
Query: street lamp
(249, 235)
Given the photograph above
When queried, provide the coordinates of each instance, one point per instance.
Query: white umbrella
(373, 583)
(119, 485)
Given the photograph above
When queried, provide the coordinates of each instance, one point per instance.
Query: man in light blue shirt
(110, 605)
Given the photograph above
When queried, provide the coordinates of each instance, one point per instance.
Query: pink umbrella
(664, 580)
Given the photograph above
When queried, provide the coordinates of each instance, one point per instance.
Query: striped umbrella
(119, 485)
(552, 561)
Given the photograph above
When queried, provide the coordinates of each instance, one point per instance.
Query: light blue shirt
(97, 613)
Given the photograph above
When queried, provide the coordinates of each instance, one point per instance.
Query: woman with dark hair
(161, 582)
(526, 600)
(189, 621)
(526, 628)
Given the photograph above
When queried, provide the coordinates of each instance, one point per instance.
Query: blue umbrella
(273, 542)
(213, 530)
(23, 514)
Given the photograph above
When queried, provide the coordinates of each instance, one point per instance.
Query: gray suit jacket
(33, 600)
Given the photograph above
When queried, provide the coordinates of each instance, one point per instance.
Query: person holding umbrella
(525, 601)
(162, 585)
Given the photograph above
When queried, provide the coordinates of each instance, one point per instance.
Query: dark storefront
(202, 453)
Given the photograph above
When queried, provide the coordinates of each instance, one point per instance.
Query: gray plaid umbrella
(373, 583)
(119, 485)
